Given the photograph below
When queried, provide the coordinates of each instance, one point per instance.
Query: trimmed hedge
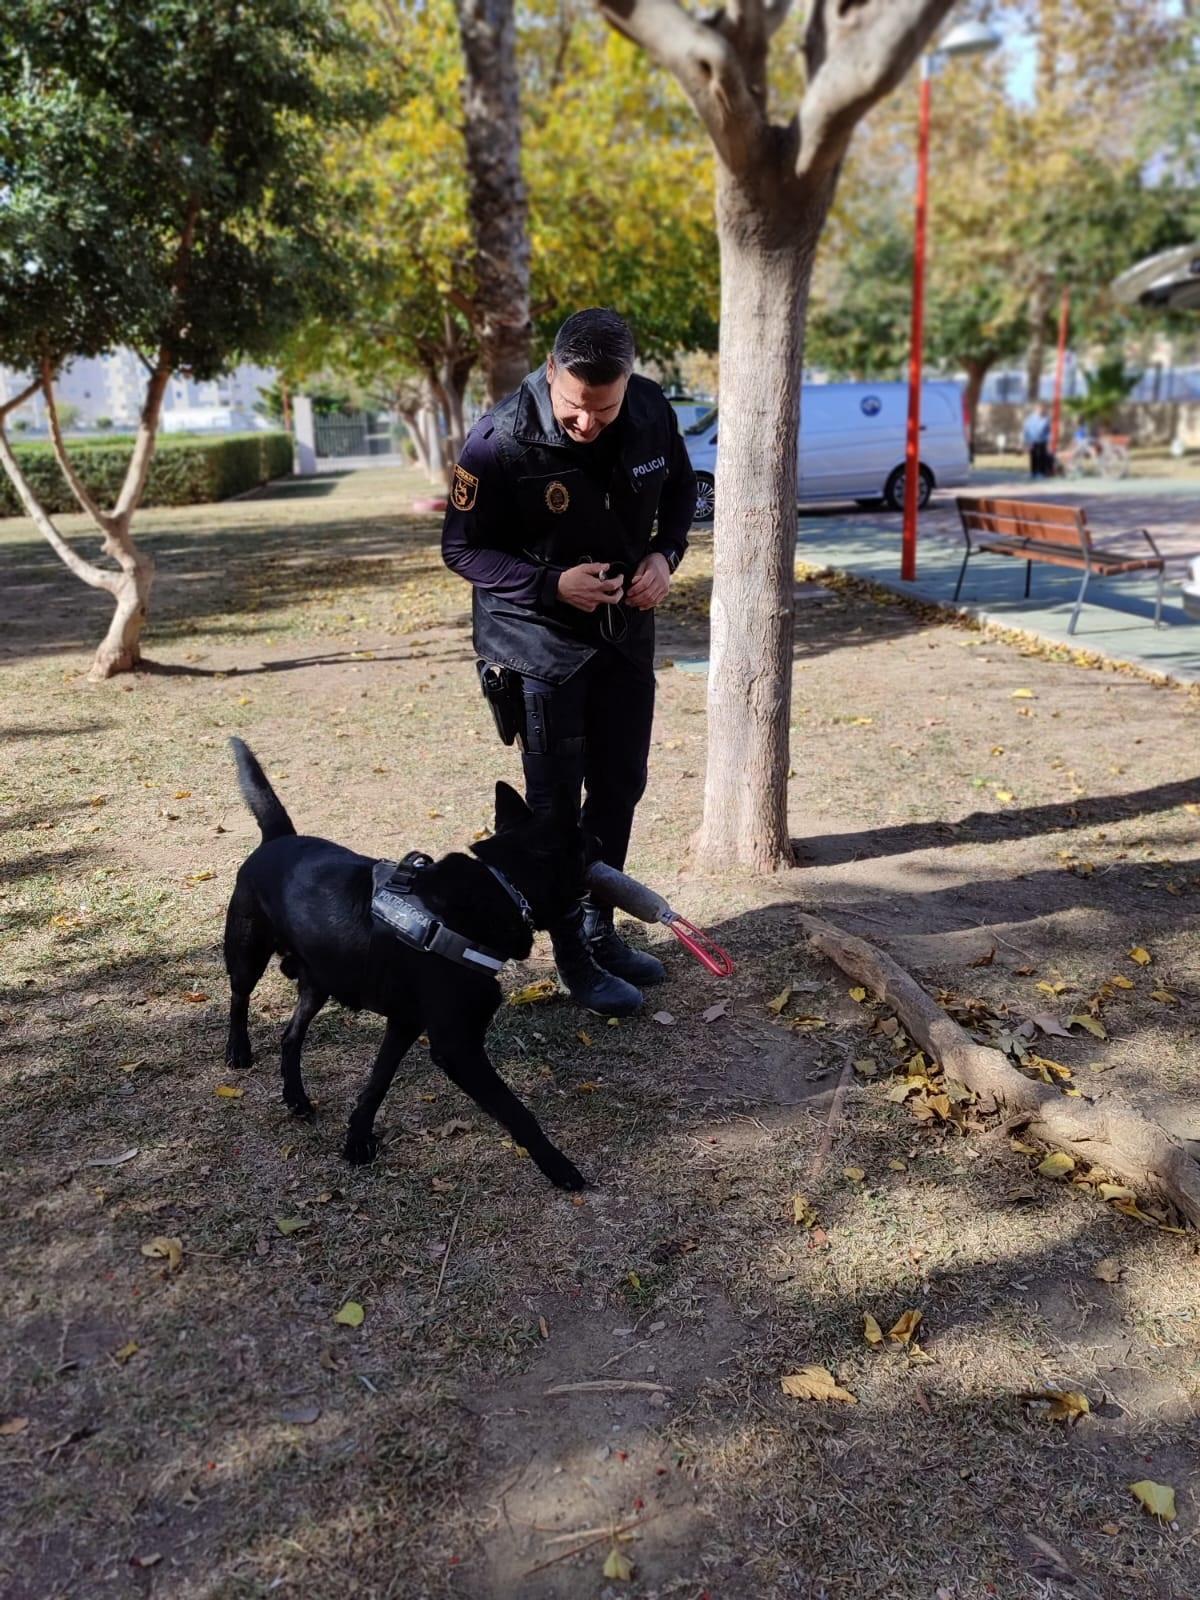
(185, 471)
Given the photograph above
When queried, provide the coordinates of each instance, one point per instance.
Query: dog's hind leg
(361, 1143)
(309, 1003)
(248, 947)
(470, 1068)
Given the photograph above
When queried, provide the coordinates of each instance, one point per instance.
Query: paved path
(1117, 619)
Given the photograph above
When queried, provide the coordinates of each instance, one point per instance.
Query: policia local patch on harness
(464, 490)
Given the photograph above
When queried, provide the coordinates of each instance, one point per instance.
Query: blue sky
(1021, 50)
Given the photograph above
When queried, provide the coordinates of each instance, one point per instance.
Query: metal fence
(359, 433)
(1156, 383)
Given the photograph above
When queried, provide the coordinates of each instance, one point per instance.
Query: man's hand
(650, 584)
(586, 587)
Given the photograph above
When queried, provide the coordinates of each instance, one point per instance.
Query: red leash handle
(706, 951)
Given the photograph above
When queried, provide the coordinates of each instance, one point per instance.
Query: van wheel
(706, 497)
(893, 492)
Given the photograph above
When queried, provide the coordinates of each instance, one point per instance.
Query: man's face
(583, 410)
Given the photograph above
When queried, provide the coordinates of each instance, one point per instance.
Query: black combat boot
(611, 952)
(589, 984)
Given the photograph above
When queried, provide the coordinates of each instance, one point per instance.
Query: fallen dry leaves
(815, 1383)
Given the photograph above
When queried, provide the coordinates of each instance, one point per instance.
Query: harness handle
(705, 949)
(614, 888)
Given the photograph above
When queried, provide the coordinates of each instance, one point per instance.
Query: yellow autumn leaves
(618, 1565)
(901, 1331)
(164, 1249)
(1157, 1498)
(1059, 1165)
(534, 993)
(814, 1383)
(818, 1383)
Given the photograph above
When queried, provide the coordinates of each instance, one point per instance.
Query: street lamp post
(968, 38)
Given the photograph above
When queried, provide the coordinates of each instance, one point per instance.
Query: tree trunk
(456, 427)
(415, 423)
(435, 454)
(977, 368)
(450, 435)
(768, 235)
(1039, 308)
(498, 202)
(121, 648)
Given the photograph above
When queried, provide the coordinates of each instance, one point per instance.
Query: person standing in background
(1037, 442)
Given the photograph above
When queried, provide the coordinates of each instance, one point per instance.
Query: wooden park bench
(1037, 531)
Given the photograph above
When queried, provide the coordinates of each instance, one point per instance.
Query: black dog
(309, 901)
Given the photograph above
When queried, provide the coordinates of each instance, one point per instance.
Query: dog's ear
(511, 810)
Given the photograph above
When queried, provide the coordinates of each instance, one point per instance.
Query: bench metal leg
(1028, 577)
(962, 572)
(1078, 603)
(1158, 599)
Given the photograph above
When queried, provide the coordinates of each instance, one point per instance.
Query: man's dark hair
(595, 346)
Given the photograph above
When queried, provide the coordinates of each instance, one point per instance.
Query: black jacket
(527, 502)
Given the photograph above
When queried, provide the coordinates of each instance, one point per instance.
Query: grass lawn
(207, 1429)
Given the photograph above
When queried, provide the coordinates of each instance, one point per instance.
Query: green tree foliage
(1108, 385)
(620, 181)
(615, 218)
(1025, 196)
(128, 126)
(160, 163)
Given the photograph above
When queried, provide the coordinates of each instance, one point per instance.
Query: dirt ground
(1008, 824)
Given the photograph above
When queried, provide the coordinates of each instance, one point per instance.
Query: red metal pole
(1064, 318)
(912, 453)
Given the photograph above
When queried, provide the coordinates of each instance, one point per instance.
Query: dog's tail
(259, 795)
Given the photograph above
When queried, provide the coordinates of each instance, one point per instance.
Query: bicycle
(1106, 457)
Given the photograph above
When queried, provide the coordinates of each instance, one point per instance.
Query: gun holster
(502, 691)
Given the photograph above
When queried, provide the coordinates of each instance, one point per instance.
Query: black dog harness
(396, 904)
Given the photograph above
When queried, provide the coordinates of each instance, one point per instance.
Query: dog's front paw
(361, 1149)
(301, 1106)
(238, 1056)
(562, 1172)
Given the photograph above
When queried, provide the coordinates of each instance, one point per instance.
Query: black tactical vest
(568, 516)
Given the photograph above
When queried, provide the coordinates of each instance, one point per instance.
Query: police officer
(552, 519)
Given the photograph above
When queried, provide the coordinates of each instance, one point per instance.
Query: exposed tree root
(1111, 1133)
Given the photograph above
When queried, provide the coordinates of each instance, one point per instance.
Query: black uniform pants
(591, 733)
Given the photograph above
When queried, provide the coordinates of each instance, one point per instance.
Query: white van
(851, 444)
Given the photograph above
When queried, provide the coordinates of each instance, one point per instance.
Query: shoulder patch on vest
(464, 490)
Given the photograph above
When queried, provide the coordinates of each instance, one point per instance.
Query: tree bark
(498, 200)
(1111, 1134)
(1035, 361)
(96, 577)
(414, 423)
(768, 236)
(121, 648)
(434, 450)
(977, 368)
(448, 365)
(447, 440)
(775, 183)
(130, 586)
